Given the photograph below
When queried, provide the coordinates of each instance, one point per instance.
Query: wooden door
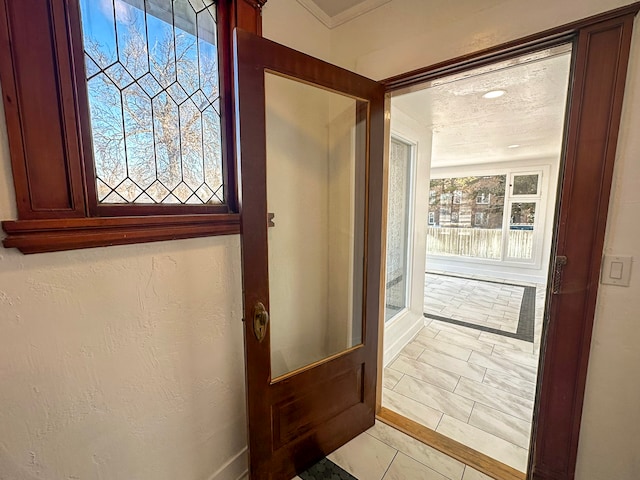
(310, 146)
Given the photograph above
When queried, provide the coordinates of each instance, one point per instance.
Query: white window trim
(543, 172)
(410, 223)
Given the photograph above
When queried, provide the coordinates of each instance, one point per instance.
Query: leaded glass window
(153, 91)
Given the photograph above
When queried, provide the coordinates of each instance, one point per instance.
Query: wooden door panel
(296, 415)
(301, 416)
(297, 456)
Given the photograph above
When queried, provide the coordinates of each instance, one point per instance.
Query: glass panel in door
(315, 243)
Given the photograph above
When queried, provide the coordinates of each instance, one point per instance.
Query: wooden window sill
(38, 236)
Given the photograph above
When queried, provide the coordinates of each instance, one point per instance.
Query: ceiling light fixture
(515, 145)
(494, 94)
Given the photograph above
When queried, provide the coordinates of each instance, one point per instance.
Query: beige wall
(403, 35)
(298, 195)
(126, 362)
(289, 23)
(341, 181)
(121, 362)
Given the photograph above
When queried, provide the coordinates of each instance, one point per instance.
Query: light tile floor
(384, 453)
(474, 386)
(490, 304)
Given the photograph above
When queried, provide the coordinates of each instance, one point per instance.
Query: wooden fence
(478, 242)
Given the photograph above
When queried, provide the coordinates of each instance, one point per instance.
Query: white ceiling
(336, 12)
(469, 129)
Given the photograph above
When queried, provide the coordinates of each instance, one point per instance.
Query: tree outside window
(152, 81)
(456, 201)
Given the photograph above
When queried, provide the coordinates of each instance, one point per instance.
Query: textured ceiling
(336, 12)
(335, 7)
(469, 129)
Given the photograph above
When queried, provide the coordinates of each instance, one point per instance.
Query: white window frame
(511, 180)
(486, 199)
(410, 224)
(543, 172)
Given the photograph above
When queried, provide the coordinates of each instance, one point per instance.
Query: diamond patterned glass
(152, 81)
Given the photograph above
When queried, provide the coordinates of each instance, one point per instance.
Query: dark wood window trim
(600, 57)
(45, 108)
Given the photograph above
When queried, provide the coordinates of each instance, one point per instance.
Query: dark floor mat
(326, 470)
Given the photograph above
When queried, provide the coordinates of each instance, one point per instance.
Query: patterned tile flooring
(474, 386)
(384, 453)
(495, 305)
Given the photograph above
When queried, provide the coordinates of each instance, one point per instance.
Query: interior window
(121, 120)
(398, 219)
(153, 91)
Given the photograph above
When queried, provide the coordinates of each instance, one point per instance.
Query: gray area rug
(526, 320)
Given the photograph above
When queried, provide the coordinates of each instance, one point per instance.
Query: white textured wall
(289, 23)
(120, 363)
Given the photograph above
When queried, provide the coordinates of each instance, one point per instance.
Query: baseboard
(399, 333)
(236, 468)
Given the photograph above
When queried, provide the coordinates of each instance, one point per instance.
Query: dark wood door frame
(601, 47)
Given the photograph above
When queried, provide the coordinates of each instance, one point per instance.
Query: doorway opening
(474, 160)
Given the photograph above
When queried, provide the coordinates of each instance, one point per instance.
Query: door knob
(260, 321)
